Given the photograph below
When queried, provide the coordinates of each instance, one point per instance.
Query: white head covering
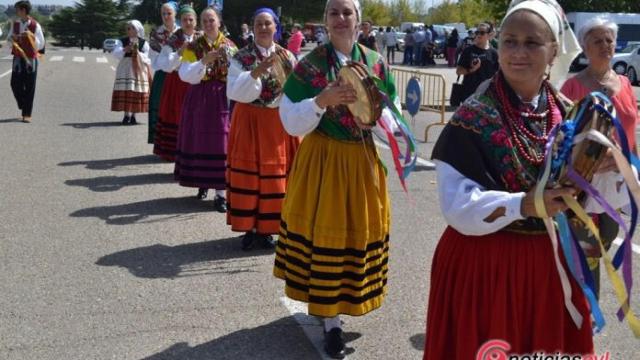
(553, 15)
(356, 4)
(138, 26)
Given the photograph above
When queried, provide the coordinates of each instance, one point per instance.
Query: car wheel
(632, 75)
(620, 68)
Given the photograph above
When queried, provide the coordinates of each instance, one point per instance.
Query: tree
(376, 11)
(88, 23)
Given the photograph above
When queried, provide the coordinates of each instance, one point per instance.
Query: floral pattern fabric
(249, 57)
(201, 46)
(159, 37)
(319, 68)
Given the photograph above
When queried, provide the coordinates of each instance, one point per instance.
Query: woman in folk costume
(260, 152)
(174, 89)
(131, 87)
(157, 39)
(201, 156)
(495, 275)
(334, 236)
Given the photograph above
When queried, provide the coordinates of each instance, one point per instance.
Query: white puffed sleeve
(168, 60)
(118, 50)
(39, 37)
(612, 187)
(465, 204)
(144, 53)
(241, 86)
(192, 73)
(300, 118)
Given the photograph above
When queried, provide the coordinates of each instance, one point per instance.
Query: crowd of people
(286, 157)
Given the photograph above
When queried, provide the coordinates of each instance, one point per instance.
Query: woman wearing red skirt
(495, 274)
(260, 151)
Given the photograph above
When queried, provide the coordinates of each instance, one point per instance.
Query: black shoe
(267, 241)
(248, 240)
(220, 204)
(334, 344)
(132, 120)
(202, 194)
(125, 120)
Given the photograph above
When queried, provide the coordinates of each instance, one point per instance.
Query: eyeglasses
(481, 33)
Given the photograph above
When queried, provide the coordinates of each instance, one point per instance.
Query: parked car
(627, 62)
(400, 40)
(109, 44)
(579, 63)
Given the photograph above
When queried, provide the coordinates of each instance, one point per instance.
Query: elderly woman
(493, 274)
(174, 89)
(598, 40)
(260, 152)
(131, 87)
(201, 157)
(334, 234)
(157, 39)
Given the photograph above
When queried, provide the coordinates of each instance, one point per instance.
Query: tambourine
(592, 112)
(368, 107)
(281, 67)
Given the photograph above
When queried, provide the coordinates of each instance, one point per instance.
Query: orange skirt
(259, 156)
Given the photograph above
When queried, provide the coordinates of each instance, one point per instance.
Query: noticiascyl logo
(493, 350)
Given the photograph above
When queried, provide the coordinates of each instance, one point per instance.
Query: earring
(547, 73)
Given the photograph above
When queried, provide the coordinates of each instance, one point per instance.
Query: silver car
(109, 44)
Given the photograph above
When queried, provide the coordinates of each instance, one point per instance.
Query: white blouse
(169, 60)
(118, 51)
(241, 86)
(465, 204)
(303, 117)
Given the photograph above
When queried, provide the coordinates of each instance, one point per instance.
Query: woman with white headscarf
(334, 234)
(494, 273)
(131, 87)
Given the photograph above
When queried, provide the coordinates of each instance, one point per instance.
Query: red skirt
(259, 157)
(501, 286)
(166, 139)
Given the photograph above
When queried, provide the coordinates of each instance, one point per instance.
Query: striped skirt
(260, 155)
(501, 286)
(154, 104)
(173, 94)
(130, 92)
(201, 156)
(334, 235)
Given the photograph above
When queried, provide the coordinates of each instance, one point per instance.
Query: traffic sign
(413, 95)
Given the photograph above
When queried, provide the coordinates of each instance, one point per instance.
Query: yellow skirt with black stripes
(334, 234)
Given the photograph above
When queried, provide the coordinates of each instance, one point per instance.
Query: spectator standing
(366, 38)
(391, 41)
(295, 42)
(419, 37)
(408, 48)
(452, 45)
(381, 42)
(478, 62)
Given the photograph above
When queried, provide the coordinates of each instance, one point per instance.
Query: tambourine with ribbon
(574, 151)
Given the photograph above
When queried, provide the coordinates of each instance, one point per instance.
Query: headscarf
(356, 4)
(267, 10)
(553, 15)
(173, 4)
(138, 26)
(186, 9)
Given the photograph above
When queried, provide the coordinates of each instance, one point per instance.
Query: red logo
(493, 350)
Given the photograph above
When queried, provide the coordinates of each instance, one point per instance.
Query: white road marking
(8, 57)
(56, 58)
(102, 60)
(78, 59)
(311, 326)
(5, 73)
(634, 247)
(113, 68)
(420, 160)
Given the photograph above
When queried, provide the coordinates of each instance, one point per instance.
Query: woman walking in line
(201, 156)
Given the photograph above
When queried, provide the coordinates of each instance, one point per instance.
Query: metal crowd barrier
(433, 92)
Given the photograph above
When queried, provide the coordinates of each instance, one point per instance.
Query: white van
(410, 25)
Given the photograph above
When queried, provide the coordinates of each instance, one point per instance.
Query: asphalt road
(104, 257)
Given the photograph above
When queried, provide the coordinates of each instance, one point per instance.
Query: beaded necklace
(515, 121)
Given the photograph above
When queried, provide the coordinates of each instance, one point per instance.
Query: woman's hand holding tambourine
(264, 66)
(335, 94)
(212, 56)
(552, 200)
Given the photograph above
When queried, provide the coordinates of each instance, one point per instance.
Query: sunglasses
(481, 33)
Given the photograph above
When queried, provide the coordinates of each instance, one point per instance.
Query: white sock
(220, 193)
(330, 323)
